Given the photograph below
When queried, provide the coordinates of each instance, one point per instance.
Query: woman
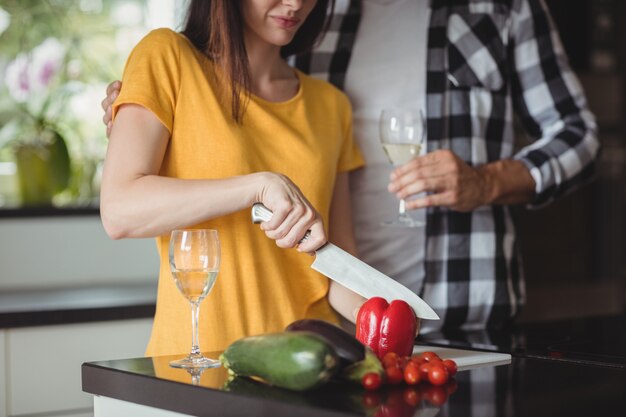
(209, 122)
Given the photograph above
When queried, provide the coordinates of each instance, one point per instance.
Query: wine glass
(194, 261)
(402, 134)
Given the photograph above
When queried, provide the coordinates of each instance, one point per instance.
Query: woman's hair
(216, 28)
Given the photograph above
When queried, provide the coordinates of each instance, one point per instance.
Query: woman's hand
(293, 215)
(113, 91)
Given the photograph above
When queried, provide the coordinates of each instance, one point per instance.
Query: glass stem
(195, 314)
(402, 208)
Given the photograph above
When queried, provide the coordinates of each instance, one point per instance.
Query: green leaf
(8, 133)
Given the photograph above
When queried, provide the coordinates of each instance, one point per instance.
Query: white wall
(70, 251)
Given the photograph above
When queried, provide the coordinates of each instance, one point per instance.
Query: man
(471, 66)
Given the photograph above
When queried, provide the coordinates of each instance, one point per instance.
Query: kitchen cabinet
(42, 364)
(3, 383)
(111, 407)
(45, 335)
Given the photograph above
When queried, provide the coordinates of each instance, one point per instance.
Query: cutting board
(467, 359)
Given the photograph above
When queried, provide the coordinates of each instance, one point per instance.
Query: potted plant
(34, 82)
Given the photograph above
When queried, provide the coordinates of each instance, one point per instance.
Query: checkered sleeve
(551, 104)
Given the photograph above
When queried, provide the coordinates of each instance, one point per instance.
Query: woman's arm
(137, 202)
(341, 233)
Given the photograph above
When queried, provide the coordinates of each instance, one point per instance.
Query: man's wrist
(507, 181)
(490, 186)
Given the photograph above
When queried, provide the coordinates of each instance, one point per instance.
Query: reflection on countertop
(594, 340)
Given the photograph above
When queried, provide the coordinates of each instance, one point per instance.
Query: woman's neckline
(293, 98)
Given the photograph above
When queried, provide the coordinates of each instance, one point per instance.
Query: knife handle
(260, 213)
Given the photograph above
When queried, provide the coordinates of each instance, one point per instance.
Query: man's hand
(448, 180)
(452, 183)
(113, 90)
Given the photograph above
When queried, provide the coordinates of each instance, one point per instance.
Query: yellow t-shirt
(260, 287)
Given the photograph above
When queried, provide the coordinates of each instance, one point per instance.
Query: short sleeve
(350, 157)
(152, 76)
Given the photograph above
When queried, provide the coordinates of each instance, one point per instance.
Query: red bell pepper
(386, 327)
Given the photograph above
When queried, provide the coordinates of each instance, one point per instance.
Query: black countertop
(594, 340)
(76, 305)
(48, 211)
(532, 387)
(565, 368)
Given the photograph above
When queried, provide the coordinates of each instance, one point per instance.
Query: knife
(356, 275)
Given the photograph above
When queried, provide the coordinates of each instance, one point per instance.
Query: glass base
(194, 362)
(403, 222)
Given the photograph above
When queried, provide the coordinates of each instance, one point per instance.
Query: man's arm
(452, 183)
(553, 109)
(551, 104)
(113, 90)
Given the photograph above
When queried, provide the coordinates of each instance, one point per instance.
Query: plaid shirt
(488, 60)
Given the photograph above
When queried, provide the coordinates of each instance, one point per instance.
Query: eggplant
(348, 348)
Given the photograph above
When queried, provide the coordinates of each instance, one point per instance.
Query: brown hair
(215, 27)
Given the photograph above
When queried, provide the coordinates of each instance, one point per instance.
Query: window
(56, 58)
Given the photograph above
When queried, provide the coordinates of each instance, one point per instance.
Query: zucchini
(293, 360)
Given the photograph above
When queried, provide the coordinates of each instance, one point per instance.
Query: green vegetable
(292, 360)
(356, 371)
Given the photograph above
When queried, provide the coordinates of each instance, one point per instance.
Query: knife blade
(356, 275)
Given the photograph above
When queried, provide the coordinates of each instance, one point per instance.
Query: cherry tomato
(428, 356)
(412, 374)
(371, 381)
(402, 361)
(424, 368)
(434, 361)
(417, 359)
(412, 396)
(437, 375)
(390, 359)
(394, 375)
(450, 366)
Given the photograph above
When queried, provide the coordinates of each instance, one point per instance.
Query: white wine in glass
(402, 134)
(401, 153)
(194, 256)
